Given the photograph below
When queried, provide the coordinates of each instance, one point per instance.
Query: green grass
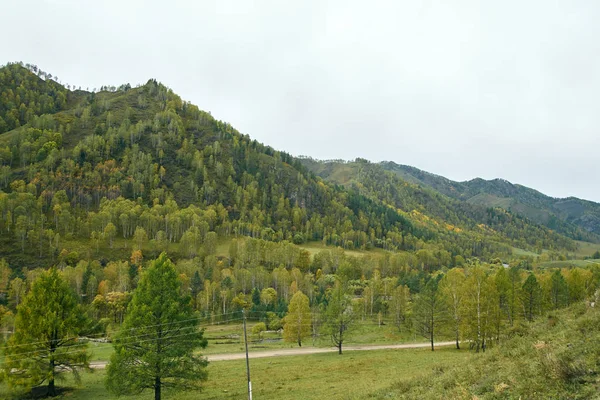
(554, 358)
(521, 252)
(100, 351)
(586, 249)
(353, 375)
(567, 264)
(315, 247)
(312, 247)
(228, 338)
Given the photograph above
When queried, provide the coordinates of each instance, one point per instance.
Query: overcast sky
(462, 89)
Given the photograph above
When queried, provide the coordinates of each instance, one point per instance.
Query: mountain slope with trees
(140, 160)
(573, 217)
(140, 164)
(477, 222)
(554, 358)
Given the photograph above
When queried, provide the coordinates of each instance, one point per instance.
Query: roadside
(301, 351)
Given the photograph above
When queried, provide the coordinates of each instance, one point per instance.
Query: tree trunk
(431, 338)
(51, 387)
(341, 339)
(457, 343)
(299, 343)
(431, 330)
(157, 387)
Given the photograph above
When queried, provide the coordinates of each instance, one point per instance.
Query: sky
(462, 89)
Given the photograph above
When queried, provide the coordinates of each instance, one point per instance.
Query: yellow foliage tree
(297, 321)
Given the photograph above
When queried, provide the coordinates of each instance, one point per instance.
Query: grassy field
(521, 252)
(354, 375)
(315, 247)
(556, 357)
(586, 249)
(311, 247)
(228, 338)
(568, 263)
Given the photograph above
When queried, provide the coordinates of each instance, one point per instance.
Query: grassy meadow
(587, 249)
(228, 338)
(353, 375)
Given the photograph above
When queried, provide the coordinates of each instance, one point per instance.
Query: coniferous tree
(559, 291)
(45, 344)
(430, 310)
(531, 296)
(155, 347)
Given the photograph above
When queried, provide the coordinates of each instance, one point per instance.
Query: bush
(258, 329)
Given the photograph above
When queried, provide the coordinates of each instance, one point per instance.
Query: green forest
(131, 216)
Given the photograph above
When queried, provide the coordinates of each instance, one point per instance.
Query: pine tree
(155, 347)
(531, 297)
(429, 310)
(559, 291)
(45, 344)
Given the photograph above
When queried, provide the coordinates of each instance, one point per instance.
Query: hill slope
(571, 216)
(440, 211)
(555, 358)
(139, 164)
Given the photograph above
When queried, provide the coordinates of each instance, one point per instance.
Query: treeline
(280, 285)
(24, 96)
(268, 274)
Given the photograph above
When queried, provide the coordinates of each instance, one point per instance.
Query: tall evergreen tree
(559, 291)
(155, 347)
(45, 344)
(429, 310)
(531, 297)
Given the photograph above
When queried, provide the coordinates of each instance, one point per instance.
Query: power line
(140, 341)
(135, 328)
(41, 351)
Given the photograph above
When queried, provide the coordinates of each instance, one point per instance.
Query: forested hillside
(573, 217)
(24, 96)
(142, 159)
(478, 224)
(139, 164)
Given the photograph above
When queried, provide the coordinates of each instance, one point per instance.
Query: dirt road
(301, 351)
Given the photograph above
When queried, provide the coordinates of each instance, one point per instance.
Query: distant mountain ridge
(571, 216)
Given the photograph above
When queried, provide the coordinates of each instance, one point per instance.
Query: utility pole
(247, 360)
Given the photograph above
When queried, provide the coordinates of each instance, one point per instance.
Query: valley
(138, 231)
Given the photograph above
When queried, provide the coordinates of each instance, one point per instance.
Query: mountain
(438, 210)
(573, 217)
(140, 167)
